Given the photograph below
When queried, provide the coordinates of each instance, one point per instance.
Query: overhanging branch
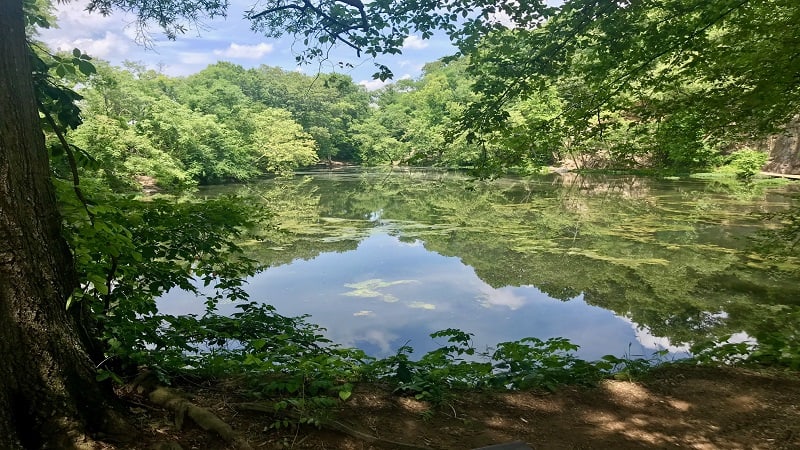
(332, 26)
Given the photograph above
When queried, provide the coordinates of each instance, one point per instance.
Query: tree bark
(48, 393)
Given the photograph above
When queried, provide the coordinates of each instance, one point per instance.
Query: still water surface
(618, 265)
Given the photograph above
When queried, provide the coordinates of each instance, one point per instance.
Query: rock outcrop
(784, 150)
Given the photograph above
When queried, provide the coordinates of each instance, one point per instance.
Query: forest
(227, 124)
(100, 168)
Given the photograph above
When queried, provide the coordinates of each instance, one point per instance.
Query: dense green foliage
(227, 123)
(413, 119)
(221, 124)
(665, 84)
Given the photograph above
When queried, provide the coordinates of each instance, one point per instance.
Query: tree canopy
(665, 84)
(704, 73)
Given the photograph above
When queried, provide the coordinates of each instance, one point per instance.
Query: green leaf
(250, 360)
(86, 67)
(99, 283)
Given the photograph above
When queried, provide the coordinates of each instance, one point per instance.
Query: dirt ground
(676, 407)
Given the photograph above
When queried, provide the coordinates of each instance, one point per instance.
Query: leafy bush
(130, 252)
(533, 363)
(285, 360)
(523, 364)
(746, 163)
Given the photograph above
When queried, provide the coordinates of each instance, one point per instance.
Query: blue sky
(113, 39)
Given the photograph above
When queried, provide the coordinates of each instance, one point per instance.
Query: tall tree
(48, 392)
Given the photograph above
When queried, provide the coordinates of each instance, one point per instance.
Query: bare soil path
(677, 407)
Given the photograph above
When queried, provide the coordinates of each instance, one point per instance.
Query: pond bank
(781, 175)
(678, 406)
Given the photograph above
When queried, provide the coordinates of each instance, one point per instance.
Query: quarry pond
(618, 264)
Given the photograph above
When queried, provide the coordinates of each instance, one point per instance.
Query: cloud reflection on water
(429, 292)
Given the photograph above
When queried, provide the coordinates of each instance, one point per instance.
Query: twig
(73, 165)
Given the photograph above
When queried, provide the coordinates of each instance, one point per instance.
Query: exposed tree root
(335, 425)
(146, 384)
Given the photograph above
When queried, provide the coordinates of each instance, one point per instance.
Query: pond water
(617, 264)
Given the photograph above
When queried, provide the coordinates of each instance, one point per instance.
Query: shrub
(746, 163)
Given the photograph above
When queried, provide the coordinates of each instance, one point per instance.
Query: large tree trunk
(48, 393)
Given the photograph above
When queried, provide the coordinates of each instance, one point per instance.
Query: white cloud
(414, 66)
(99, 36)
(73, 18)
(414, 43)
(111, 44)
(422, 305)
(373, 85)
(645, 337)
(195, 58)
(500, 297)
(240, 51)
(380, 338)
